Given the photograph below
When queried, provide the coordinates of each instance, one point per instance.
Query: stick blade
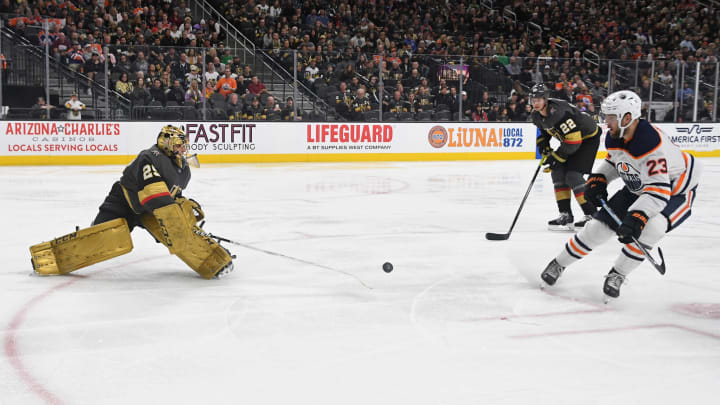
(661, 267)
(497, 236)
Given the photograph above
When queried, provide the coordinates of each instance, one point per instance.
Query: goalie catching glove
(190, 206)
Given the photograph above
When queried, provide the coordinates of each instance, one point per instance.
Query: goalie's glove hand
(596, 189)
(197, 210)
(632, 226)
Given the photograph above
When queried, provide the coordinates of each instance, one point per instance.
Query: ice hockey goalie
(148, 195)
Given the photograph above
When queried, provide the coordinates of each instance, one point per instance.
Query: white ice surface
(460, 320)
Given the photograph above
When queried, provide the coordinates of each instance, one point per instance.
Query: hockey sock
(581, 244)
(562, 195)
(630, 255)
(587, 207)
(577, 183)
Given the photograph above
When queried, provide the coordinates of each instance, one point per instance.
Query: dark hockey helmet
(169, 137)
(539, 91)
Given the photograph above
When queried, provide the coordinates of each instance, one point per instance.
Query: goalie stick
(660, 267)
(296, 259)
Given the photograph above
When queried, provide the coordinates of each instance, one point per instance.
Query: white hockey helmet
(621, 103)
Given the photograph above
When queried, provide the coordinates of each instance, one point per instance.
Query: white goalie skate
(225, 271)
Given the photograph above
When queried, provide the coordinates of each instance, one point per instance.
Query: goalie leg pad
(201, 253)
(82, 248)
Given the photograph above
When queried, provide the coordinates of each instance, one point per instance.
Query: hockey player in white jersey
(660, 186)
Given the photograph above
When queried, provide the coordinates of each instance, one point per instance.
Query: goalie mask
(614, 109)
(173, 142)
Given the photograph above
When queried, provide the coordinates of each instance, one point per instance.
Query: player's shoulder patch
(645, 140)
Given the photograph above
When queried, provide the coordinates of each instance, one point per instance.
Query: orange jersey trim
(634, 249)
(644, 154)
(685, 208)
(657, 190)
(680, 182)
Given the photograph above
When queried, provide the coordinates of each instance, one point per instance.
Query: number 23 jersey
(651, 166)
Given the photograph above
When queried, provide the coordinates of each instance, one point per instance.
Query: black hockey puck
(387, 267)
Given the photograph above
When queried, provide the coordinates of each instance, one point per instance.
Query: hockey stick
(505, 236)
(269, 252)
(659, 267)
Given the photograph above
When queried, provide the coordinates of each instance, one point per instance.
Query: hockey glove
(197, 210)
(193, 205)
(632, 226)
(543, 145)
(553, 160)
(596, 189)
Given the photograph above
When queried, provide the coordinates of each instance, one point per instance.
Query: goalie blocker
(142, 197)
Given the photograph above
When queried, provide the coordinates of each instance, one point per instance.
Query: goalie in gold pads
(148, 195)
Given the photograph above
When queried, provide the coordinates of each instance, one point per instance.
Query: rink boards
(94, 143)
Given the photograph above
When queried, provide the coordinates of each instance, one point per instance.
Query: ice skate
(581, 223)
(552, 272)
(562, 223)
(613, 282)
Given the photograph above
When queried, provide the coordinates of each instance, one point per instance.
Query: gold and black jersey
(566, 123)
(397, 106)
(234, 111)
(254, 113)
(361, 105)
(344, 98)
(152, 180)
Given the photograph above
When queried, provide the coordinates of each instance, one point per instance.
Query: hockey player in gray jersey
(149, 195)
(579, 140)
(660, 188)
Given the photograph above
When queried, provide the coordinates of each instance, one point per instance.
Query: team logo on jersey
(437, 136)
(630, 175)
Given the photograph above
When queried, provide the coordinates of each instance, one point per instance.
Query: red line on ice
(620, 329)
(10, 341)
(11, 348)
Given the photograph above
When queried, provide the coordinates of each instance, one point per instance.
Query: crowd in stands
(154, 51)
(339, 41)
(398, 56)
